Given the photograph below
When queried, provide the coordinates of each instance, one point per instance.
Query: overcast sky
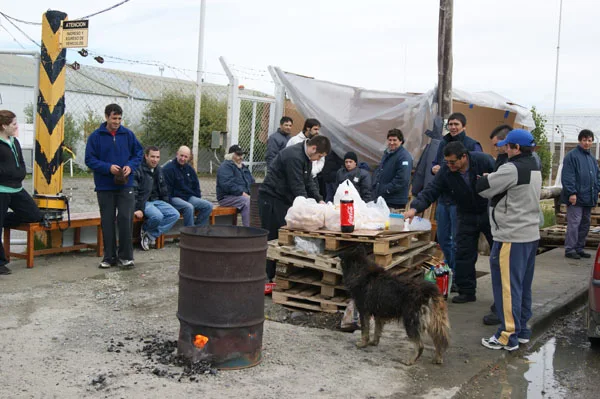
(505, 46)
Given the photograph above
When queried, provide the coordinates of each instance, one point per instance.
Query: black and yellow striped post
(49, 122)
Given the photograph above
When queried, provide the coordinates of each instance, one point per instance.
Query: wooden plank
(310, 302)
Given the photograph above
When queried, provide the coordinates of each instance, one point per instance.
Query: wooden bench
(78, 220)
(160, 241)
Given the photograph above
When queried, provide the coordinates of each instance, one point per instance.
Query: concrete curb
(553, 310)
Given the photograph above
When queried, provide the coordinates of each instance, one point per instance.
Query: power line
(87, 16)
(106, 9)
(19, 29)
(14, 38)
(20, 20)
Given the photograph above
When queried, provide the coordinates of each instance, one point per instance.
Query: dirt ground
(71, 330)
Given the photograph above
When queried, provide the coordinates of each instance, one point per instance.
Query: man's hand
(138, 214)
(573, 199)
(435, 169)
(245, 195)
(321, 202)
(126, 171)
(408, 215)
(115, 169)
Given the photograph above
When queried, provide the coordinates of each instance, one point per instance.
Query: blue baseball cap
(518, 136)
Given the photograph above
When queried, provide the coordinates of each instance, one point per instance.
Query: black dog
(387, 297)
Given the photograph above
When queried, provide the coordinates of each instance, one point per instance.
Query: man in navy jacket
(114, 153)
(233, 183)
(184, 189)
(581, 181)
(278, 140)
(458, 178)
(392, 177)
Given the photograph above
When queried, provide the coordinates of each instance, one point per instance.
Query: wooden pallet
(309, 297)
(555, 235)
(595, 210)
(286, 270)
(561, 218)
(306, 278)
(327, 262)
(384, 242)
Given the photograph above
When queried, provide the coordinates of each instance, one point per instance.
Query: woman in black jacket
(358, 176)
(12, 173)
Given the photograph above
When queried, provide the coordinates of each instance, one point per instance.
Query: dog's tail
(438, 325)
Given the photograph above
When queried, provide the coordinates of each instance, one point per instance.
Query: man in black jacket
(152, 199)
(360, 178)
(289, 176)
(457, 178)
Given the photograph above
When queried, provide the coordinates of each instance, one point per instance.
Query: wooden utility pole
(445, 58)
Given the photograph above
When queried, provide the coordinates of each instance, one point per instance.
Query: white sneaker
(105, 265)
(523, 340)
(493, 343)
(126, 264)
(145, 241)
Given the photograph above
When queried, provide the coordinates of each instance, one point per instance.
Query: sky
(508, 46)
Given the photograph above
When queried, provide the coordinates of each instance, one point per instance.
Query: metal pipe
(555, 92)
(198, 102)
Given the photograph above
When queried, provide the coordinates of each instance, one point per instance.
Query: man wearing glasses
(445, 213)
(457, 178)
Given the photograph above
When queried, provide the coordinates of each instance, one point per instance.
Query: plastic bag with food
(305, 214)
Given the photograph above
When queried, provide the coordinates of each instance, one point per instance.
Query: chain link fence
(158, 109)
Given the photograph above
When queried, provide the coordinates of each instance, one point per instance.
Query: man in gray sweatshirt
(514, 190)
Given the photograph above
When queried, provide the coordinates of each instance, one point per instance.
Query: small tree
(169, 121)
(71, 137)
(539, 133)
(28, 112)
(89, 123)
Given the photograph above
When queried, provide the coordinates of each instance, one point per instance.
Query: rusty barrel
(221, 294)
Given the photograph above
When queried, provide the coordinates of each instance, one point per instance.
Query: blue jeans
(187, 208)
(445, 215)
(160, 217)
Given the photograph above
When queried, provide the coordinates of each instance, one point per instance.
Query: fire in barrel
(221, 295)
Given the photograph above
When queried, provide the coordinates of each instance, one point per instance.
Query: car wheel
(594, 342)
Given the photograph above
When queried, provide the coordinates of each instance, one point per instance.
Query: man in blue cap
(514, 191)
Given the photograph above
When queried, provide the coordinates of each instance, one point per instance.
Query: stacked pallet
(555, 235)
(561, 213)
(314, 281)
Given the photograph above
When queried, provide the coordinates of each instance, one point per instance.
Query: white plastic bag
(310, 245)
(374, 215)
(419, 224)
(344, 186)
(306, 214)
(332, 217)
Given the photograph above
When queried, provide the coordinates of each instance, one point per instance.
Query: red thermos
(347, 213)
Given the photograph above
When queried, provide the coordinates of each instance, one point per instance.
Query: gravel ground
(71, 330)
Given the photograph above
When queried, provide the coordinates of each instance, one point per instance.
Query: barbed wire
(19, 20)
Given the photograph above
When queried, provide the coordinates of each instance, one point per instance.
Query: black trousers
(272, 217)
(469, 226)
(117, 206)
(24, 210)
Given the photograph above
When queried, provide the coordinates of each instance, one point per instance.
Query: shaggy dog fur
(387, 297)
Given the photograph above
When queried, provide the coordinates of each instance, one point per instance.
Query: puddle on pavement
(540, 375)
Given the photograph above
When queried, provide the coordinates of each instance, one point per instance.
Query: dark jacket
(469, 143)
(333, 163)
(392, 177)
(150, 185)
(360, 178)
(452, 183)
(275, 143)
(580, 176)
(182, 181)
(290, 176)
(500, 160)
(103, 150)
(12, 166)
(232, 180)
